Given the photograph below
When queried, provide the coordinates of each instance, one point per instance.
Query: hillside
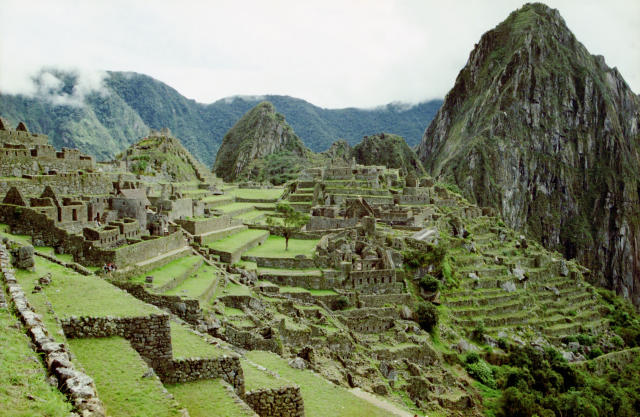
(547, 133)
(388, 150)
(131, 103)
(159, 154)
(261, 133)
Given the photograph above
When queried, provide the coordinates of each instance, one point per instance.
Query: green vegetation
(118, 371)
(317, 392)
(389, 150)
(236, 241)
(274, 247)
(544, 384)
(208, 398)
(258, 194)
(24, 390)
(255, 378)
(187, 344)
(173, 269)
(72, 294)
(427, 316)
(291, 221)
(198, 283)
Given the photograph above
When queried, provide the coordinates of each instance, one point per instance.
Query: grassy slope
(208, 398)
(237, 240)
(321, 398)
(118, 371)
(274, 247)
(73, 294)
(167, 272)
(22, 377)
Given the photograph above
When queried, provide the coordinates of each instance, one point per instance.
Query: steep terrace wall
(201, 226)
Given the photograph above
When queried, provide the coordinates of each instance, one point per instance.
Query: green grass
(321, 397)
(236, 240)
(197, 284)
(5, 232)
(117, 370)
(323, 292)
(214, 198)
(274, 246)
(255, 378)
(208, 398)
(166, 273)
(231, 311)
(250, 216)
(290, 272)
(72, 294)
(262, 194)
(187, 344)
(293, 289)
(23, 375)
(235, 289)
(234, 206)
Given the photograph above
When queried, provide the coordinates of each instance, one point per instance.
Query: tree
(427, 316)
(291, 221)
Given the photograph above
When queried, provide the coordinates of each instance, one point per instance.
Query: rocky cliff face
(389, 150)
(259, 133)
(548, 134)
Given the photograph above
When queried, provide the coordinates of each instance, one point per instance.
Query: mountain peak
(547, 133)
(259, 133)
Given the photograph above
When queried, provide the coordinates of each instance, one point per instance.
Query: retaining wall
(276, 402)
(187, 309)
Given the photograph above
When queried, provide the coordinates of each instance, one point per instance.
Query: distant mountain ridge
(107, 122)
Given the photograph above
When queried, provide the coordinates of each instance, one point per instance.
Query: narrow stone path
(387, 406)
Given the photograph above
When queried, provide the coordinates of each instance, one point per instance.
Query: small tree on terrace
(290, 221)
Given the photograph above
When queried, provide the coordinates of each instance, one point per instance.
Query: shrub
(594, 353)
(481, 371)
(429, 283)
(585, 339)
(342, 303)
(427, 316)
(478, 332)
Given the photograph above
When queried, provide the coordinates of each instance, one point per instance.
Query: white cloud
(333, 53)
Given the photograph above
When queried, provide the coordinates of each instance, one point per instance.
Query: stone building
(132, 203)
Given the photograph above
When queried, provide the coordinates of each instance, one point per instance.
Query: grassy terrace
(118, 371)
(250, 216)
(228, 208)
(197, 284)
(321, 397)
(187, 344)
(23, 376)
(167, 272)
(274, 246)
(263, 194)
(216, 198)
(208, 398)
(255, 378)
(237, 240)
(72, 294)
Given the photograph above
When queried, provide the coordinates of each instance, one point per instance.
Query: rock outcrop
(259, 133)
(389, 150)
(548, 134)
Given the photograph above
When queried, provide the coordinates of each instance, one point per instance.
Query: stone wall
(78, 386)
(141, 251)
(251, 340)
(180, 209)
(286, 263)
(187, 309)
(149, 335)
(195, 369)
(379, 300)
(62, 183)
(201, 226)
(329, 223)
(276, 402)
(309, 282)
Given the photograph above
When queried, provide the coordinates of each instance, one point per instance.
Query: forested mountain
(107, 121)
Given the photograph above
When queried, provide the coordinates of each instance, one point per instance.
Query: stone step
(498, 322)
(300, 198)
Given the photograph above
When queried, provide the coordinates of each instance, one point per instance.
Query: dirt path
(387, 406)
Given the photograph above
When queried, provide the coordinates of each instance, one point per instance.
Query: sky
(335, 54)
